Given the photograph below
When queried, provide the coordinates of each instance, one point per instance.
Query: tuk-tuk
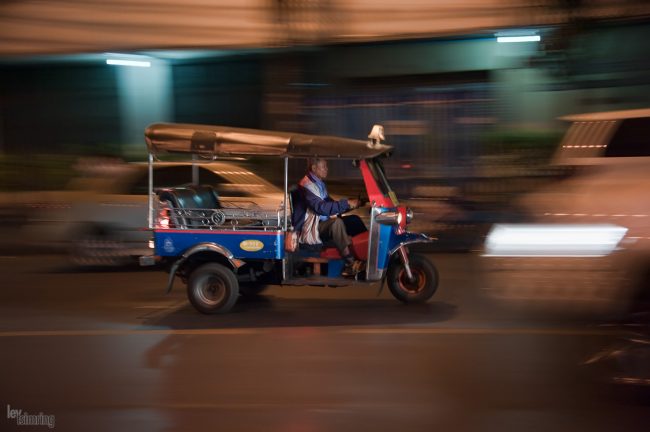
(223, 250)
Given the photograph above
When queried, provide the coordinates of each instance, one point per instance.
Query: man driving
(314, 215)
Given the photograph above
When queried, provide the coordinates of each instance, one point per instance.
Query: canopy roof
(208, 140)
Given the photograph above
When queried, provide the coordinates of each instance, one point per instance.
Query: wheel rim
(211, 290)
(412, 286)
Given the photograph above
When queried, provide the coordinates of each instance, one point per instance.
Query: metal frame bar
(195, 170)
(285, 204)
(150, 174)
(372, 272)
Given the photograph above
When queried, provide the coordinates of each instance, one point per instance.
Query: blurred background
(474, 120)
(501, 112)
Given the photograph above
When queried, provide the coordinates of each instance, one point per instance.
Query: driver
(314, 215)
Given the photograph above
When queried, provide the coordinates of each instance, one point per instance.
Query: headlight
(390, 217)
(409, 215)
(553, 240)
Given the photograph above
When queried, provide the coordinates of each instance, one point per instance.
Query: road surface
(107, 350)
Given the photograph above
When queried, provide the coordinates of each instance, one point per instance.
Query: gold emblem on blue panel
(251, 245)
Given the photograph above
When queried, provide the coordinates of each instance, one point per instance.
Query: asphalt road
(107, 350)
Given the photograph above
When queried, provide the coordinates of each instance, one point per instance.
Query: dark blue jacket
(308, 195)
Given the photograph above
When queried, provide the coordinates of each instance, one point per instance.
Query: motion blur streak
(56, 26)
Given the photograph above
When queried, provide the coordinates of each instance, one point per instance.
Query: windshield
(378, 173)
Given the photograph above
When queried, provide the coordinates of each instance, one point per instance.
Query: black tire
(213, 289)
(425, 282)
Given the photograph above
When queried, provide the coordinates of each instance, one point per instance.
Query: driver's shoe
(352, 269)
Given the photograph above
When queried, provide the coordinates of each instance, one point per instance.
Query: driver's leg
(354, 225)
(333, 230)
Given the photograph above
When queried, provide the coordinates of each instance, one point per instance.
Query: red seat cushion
(330, 253)
(359, 248)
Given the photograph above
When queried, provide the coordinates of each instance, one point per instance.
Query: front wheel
(213, 289)
(418, 290)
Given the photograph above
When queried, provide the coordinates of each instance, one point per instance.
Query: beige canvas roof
(212, 140)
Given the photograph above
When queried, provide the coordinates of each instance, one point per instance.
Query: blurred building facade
(73, 26)
(434, 75)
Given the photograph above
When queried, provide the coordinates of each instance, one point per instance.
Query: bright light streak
(507, 39)
(133, 63)
(553, 240)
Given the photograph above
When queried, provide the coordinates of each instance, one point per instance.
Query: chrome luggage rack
(199, 207)
(229, 218)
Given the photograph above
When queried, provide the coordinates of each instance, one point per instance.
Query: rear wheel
(213, 289)
(417, 290)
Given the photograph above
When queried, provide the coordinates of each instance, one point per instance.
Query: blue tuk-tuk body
(224, 250)
(243, 244)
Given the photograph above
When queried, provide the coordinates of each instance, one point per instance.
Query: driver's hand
(354, 203)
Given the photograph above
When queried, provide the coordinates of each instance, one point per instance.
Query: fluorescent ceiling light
(134, 63)
(506, 39)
